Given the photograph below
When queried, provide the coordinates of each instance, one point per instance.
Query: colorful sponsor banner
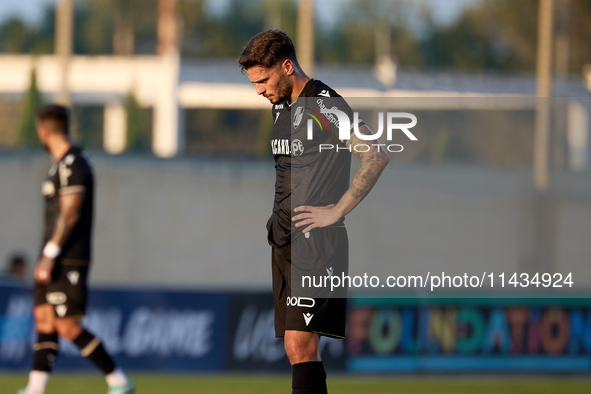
(470, 335)
(209, 331)
(143, 330)
(251, 340)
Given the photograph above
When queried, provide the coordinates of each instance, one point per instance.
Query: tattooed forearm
(63, 227)
(366, 176)
(371, 165)
(70, 206)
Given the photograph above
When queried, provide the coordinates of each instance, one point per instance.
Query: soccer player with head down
(61, 273)
(312, 192)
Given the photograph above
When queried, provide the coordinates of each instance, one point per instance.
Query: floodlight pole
(64, 29)
(168, 124)
(544, 204)
(544, 92)
(305, 36)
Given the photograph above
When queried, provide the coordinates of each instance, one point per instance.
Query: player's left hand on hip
(315, 217)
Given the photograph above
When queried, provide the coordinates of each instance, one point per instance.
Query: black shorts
(67, 290)
(307, 306)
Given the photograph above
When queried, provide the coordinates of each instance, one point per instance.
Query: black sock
(45, 352)
(324, 388)
(308, 378)
(92, 348)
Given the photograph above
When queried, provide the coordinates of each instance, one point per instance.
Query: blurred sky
(445, 11)
(30, 10)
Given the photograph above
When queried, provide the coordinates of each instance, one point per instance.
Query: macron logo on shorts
(307, 318)
(61, 310)
(330, 271)
(73, 277)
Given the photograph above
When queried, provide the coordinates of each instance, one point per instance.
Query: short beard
(284, 90)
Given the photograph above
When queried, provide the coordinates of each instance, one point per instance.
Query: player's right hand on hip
(43, 270)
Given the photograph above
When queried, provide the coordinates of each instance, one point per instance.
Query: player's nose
(260, 89)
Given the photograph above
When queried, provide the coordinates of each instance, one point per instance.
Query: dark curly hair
(56, 117)
(267, 49)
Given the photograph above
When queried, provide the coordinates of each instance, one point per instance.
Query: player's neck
(59, 146)
(301, 79)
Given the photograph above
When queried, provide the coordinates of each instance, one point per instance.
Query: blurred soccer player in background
(16, 269)
(62, 270)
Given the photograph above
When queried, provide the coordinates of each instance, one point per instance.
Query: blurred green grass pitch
(338, 384)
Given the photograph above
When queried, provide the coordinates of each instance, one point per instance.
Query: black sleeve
(73, 173)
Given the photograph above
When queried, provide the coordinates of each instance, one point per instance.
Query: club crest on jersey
(69, 159)
(297, 117)
(48, 189)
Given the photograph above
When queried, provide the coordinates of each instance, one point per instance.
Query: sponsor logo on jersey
(278, 106)
(307, 318)
(301, 111)
(324, 93)
(297, 147)
(329, 116)
(301, 302)
(56, 298)
(73, 277)
(48, 189)
(276, 117)
(280, 147)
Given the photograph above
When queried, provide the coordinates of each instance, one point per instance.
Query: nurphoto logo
(343, 122)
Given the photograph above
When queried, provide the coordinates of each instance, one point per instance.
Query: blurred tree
(352, 39)
(468, 44)
(121, 27)
(490, 34)
(580, 34)
(18, 37)
(226, 34)
(139, 125)
(193, 22)
(15, 36)
(264, 134)
(27, 135)
(135, 134)
(502, 35)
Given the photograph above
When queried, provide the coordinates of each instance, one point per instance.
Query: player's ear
(288, 67)
(41, 129)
